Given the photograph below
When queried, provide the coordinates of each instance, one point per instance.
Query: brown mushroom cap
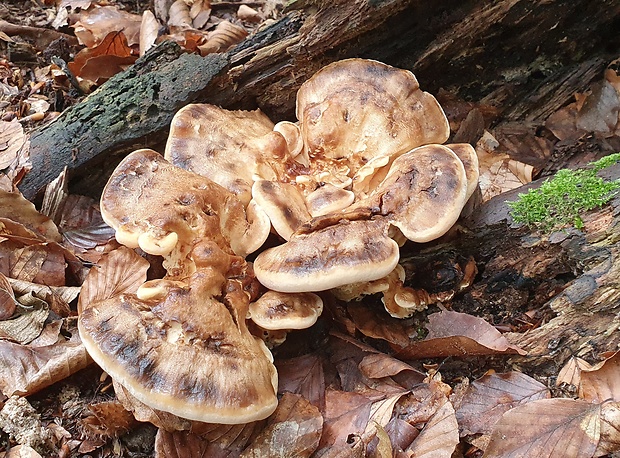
(276, 310)
(423, 193)
(283, 203)
(222, 145)
(159, 207)
(328, 199)
(332, 256)
(469, 158)
(355, 109)
(187, 354)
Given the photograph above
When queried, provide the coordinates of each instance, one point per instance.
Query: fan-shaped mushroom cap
(469, 158)
(292, 135)
(187, 353)
(346, 252)
(159, 207)
(276, 310)
(355, 109)
(423, 193)
(328, 199)
(284, 205)
(222, 145)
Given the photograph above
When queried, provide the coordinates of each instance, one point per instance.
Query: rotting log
(523, 56)
(569, 280)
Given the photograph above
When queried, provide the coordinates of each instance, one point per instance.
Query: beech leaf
(293, 430)
(119, 272)
(547, 428)
(458, 334)
(345, 414)
(489, 397)
(16, 207)
(303, 375)
(601, 382)
(25, 369)
(439, 437)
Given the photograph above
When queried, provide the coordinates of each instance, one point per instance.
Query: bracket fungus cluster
(363, 169)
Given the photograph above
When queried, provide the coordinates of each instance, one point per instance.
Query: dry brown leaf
(563, 428)
(149, 31)
(610, 430)
(110, 419)
(49, 336)
(383, 446)
(571, 372)
(7, 298)
(599, 112)
(602, 382)
(25, 369)
(458, 334)
(96, 23)
(249, 14)
(378, 325)
(45, 292)
(345, 414)
(25, 327)
(22, 451)
(293, 430)
(178, 15)
(221, 441)
(401, 433)
(105, 60)
(55, 195)
(121, 271)
(380, 365)
(489, 397)
(422, 403)
(200, 12)
(225, 35)
(57, 297)
(303, 375)
(81, 222)
(439, 437)
(498, 173)
(14, 148)
(16, 207)
(44, 263)
(380, 415)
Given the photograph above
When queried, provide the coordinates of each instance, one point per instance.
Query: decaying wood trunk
(524, 56)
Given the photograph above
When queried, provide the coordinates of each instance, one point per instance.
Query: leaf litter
(359, 391)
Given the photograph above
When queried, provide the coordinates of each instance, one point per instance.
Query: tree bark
(523, 56)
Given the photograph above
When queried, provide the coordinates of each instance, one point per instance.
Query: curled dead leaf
(458, 334)
(95, 24)
(105, 60)
(225, 35)
(14, 148)
(25, 369)
(16, 207)
(149, 31)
